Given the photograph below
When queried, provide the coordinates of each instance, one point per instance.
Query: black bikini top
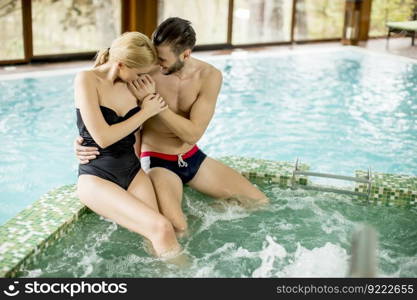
(120, 147)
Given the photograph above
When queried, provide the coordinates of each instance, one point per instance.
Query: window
(261, 21)
(319, 19)
(208, 18)
(74, 26)
(11, 33)
(384, 11)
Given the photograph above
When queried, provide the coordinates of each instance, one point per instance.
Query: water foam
(90, 258)
(328, 261)
(268, 255)
(219, 211)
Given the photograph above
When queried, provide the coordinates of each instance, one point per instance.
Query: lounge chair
(408, 27)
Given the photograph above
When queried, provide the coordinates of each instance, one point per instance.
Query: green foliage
(384, 11)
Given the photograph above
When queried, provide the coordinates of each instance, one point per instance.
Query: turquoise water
(337, 111)
(300, 234)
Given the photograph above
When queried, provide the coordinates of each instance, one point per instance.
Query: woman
(108, 117)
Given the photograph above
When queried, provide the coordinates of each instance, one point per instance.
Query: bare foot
(181, 259)
(176, 257)
(250, 204)
(147, 246)
(182, 233)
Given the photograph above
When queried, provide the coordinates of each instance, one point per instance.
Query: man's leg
(220, 181)
(169, 189)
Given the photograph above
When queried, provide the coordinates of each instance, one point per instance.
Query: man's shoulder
(210, 72)
(207, 68)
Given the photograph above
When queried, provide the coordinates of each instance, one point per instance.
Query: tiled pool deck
(46, 220)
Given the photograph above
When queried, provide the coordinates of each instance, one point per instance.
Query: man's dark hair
(175, 32)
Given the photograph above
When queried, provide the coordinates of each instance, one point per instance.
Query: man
(169, 154)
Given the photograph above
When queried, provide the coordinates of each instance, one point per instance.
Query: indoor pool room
(315, 110)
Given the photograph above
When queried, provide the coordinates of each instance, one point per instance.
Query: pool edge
(52, 215)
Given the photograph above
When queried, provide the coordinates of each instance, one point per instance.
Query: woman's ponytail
(134, 49)
(102, 57)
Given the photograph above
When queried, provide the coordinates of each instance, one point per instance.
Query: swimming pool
(327, 107)
(338, 110)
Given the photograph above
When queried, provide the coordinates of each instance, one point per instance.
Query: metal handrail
(367, 179)
(341, 177)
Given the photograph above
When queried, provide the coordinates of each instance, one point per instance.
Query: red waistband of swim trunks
(171, 157)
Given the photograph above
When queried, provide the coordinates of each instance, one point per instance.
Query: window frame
(142, 15)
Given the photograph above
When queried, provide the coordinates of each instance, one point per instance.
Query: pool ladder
(366, 180)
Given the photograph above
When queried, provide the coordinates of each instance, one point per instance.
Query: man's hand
(84, 154)
(142, 87)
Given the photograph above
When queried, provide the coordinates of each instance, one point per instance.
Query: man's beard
(178, 65)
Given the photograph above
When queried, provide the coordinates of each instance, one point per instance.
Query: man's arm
(137, 145)
(191, 130)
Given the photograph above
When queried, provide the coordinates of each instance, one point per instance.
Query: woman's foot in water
(178, 258)
(181, 234)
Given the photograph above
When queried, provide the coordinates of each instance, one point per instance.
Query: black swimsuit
(118, 162)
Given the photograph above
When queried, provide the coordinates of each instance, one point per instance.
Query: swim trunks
(184, 165)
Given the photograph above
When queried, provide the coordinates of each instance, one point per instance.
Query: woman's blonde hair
(133, 49)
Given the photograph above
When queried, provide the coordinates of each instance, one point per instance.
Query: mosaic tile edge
(50, 217)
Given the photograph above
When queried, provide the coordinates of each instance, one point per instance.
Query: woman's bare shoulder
(85, 76)
(85, 86)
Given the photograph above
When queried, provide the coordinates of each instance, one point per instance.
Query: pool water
(337, 110)
(300, 234)
(37, 126)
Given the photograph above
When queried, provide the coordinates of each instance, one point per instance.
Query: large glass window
(209, 18)
(319, 19)
(261, 21)
(384, 11)
(74, 26)
(11, 33)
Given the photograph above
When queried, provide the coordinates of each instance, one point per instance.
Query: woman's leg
(169, 190)
(141, 187)
(111, 201)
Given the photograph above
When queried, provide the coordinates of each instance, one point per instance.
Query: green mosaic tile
(274, 171)
(390, 189)
(29, 231)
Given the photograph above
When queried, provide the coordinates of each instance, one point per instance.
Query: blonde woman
(108, 117)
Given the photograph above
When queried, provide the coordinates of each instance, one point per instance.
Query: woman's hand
(153, 104)
(142, 87)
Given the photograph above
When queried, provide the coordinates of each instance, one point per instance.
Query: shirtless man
(169, 154)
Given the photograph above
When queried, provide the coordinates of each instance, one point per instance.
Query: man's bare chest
(180, 95)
